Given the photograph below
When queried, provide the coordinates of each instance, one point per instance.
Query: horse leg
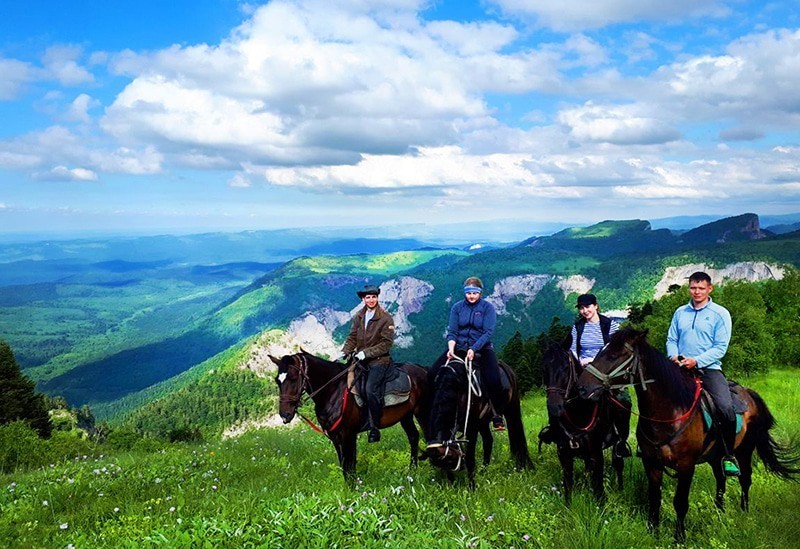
(655, 477)
(487, 439)
(745, 458)
(597, 466)
(681, 502)
(348, 458)
(719, 477)
(618, 464)
(568, 471)
(413, 436)
(469, 459)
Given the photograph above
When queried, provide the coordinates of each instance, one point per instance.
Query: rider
(698, 337)
(470, 328)
(371, 338)
(590, 333)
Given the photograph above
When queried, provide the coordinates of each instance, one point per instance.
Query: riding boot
(729, 464)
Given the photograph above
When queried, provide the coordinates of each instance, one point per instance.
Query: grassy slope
(282, 488)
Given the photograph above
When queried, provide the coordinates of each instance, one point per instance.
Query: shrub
(20, 447)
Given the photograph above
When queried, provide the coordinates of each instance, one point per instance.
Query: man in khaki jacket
(371, 339)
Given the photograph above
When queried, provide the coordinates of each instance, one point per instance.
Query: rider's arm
(721, 337)
(672, 336)
(574, 345)
(350, 342)
(489, 323)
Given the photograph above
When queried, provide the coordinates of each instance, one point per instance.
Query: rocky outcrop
(401, 297)
(523, 287)
(577, 284)
(748, 271)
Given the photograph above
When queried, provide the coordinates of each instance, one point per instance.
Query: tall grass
(283, 488)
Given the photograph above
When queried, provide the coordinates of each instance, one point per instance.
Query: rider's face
(589, 312)
(370, 301)
(472, 297)
(700, 291)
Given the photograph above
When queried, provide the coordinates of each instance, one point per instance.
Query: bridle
(301, 365)
(628, 370)
(571, 381)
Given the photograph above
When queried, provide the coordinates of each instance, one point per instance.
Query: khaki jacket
(376, 340)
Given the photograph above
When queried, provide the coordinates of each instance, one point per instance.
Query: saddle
(710, 408)
(397, 388)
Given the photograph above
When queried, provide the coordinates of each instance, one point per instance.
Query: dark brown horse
(580, 428)
(671, 432)
(473, 412)
(338, 414)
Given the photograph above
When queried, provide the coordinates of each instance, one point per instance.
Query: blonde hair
(473, 281)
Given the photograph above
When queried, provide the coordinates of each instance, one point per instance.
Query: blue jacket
(702, 334)
(471, 326)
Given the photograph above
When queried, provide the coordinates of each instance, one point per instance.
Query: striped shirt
(591, 340)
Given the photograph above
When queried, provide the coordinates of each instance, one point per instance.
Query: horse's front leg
(346, 448)
(413, 436)
(597, 467)
(681, 502)
(487, 440)
(618, 464)
(469, 459)
(567, 460)
(655, 477)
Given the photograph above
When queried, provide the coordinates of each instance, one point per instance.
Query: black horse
(671, 431)
(468, 411)
(339, 416)
(580, 428)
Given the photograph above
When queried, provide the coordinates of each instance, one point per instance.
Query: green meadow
(282, 487)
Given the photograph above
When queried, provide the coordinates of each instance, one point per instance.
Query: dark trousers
(376, 385)
(716, 385)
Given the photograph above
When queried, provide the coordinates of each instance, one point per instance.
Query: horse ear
(277, 361)
(641, 336)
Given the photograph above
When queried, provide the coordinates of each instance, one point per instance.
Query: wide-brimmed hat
(586, 299)
(369, 290)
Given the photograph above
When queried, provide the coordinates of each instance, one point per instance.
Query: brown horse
(338, 414)
(471, 411)
(580, 428)
(671, 432)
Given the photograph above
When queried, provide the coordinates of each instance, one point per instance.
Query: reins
(472, 387)
(570, 382)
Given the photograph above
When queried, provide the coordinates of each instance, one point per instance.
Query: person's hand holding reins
(470, 355)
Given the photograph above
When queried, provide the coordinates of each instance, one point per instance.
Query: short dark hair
(700, 276)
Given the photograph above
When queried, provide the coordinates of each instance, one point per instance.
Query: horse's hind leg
(487, 439)
(597, 466)
(568, 472)
(413, 436)
(745, 458)
(719, 477)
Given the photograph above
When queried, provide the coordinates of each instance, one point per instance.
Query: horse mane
(668, 376)
(327, 363)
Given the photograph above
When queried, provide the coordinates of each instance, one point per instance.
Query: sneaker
(498, 424)
(374, 435)
(730, 467)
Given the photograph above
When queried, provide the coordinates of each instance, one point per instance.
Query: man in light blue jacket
(698, 337)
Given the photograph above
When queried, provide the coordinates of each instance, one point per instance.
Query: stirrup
(730, 467)
(622, 449)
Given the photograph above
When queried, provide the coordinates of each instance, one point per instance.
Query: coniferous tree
(18, 399)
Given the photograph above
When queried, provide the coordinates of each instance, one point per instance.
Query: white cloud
(80, 106)
(16, 75)
(618, 125)
(60, 63)
(62, 173)
(240, 181)
(582, 14)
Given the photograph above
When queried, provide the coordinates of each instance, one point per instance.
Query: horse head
(614, 366)
(559, 373)
(292, 378)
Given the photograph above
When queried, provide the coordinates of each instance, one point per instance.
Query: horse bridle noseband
(627, 369)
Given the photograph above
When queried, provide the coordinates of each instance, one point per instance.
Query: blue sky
(194, 116)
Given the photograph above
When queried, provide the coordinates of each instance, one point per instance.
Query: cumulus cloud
(583, 14)
(16, 75)
(62, 173)
(61, 64)
(80, 106)
(618, 125)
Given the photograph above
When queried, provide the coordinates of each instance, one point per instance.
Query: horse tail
(517, 442)
(781, 460)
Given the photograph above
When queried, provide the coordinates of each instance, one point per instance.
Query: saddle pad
(739, 406)
(397, 391)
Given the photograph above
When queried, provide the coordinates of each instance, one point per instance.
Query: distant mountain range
(98, 320)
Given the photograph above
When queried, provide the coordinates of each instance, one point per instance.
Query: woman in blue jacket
(470, 329)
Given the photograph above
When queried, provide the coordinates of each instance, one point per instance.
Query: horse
(340, 417)
(580, 428)
(458, 391)
(671, 431)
